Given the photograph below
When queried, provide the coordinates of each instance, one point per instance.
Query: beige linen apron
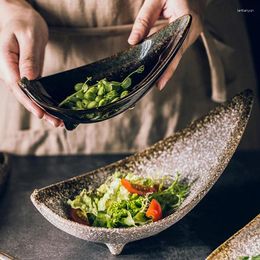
(84, 31)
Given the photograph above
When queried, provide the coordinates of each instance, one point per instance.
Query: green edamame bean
(102, 102)
(80, 95)
(85, 88)
(79, 104)
(100, 83)
(90, 96)
(92, 104)
(98, 98)
(78, 86)
(124, 94)
(93, 90)
(101, 91)
(111, 95)
(108, 86)
(85, 103)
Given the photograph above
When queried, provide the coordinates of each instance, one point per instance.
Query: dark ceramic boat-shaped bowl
(198, 153)
(155, 53)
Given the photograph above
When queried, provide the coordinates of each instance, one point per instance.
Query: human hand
(171, 10)
(23, 37)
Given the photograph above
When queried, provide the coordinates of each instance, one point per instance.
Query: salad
(128, 201)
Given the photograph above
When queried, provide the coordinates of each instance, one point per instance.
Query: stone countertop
(25, 234)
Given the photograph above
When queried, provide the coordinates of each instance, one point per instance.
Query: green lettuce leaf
(172, 197)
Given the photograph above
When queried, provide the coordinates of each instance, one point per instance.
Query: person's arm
(23, 37)
(171, 10)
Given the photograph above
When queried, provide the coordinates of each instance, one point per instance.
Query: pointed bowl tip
(247, 94)
(246, 99)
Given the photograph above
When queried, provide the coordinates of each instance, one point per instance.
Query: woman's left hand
(171, 10)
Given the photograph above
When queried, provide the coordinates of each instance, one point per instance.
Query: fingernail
(50, 122)
(134, 38)
(161, 86)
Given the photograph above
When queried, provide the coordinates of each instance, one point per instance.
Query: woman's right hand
(23, 37)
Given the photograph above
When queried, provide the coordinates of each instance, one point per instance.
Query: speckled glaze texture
(4, 169)
(155, 53)
(199, 153)
(246, 242)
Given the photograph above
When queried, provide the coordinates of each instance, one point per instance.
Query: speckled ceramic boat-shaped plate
(199, 153)
(246, 242)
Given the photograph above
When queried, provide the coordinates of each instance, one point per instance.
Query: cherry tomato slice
(154, 210)
(127, 184)
(135, 188)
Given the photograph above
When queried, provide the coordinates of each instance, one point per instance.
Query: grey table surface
(25, 234)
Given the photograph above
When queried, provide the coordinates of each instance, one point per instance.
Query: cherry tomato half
(154, 210)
